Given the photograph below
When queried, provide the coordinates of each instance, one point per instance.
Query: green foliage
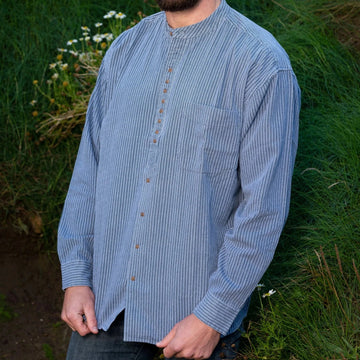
(48, 351)
(6, 313)
(315, 312)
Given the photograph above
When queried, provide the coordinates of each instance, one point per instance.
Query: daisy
(71, 42)
(271, 292)
(120, 16)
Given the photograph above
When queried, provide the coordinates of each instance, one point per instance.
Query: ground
(30, 282)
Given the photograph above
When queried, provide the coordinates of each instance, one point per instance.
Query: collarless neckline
(207, 25)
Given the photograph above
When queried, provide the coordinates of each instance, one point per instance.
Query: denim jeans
(109, 345)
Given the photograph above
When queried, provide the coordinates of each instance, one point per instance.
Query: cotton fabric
(181, 185)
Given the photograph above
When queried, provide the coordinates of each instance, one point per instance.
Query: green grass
(315, 312)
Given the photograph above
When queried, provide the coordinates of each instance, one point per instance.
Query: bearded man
(181, 185)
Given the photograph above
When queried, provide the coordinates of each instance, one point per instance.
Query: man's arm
(76, 228)
(267, 155)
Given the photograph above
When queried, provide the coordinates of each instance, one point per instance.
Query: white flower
(85, 28)
(73, 53)
(49, 82)
(55, 76)
(110, 14)
(64, 67)
(70, 42)
(260, 286)
(271, 292)
(52, 66)
(85, 34)
(81, 39)
(62, 50)
(33, 102)
(120, 16)
(108, 37)
(98, 24)
(97, 38)
(87, 38)
(83, 56)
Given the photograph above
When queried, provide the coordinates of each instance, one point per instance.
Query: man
(181, 186)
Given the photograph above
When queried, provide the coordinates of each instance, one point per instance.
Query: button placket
(151, 166)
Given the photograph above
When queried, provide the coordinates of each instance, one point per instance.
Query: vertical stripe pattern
(182, 181)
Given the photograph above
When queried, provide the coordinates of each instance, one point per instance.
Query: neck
(192, 16)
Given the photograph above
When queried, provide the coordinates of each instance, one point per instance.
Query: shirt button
(170, 69)
(165, 91)
(161, 111)
(159, 121)
(133, 278)
(148, 180)
(137, 246)
(163, 101)
(157, 131)
(154, 141)
(167, 81)
(142, 214)
(171, 34)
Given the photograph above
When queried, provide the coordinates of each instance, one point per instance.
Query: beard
(176, 5)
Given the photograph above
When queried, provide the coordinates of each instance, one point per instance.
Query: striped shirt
(182, 181)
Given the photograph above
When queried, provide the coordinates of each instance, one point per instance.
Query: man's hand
(78, 310)
(190, 339)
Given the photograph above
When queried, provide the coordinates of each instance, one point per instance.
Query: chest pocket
(209, 139)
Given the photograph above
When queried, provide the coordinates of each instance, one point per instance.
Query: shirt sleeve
(267, 155)
(76, 228)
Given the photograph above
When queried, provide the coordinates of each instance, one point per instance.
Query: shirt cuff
(215, 313)
(76, 273)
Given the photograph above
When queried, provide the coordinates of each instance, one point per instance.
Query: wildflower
(260, 286)
(109, 37)
(62, 50)
(59, 57)
(110, 14)
(52, 100)
(35, 113)
(64, 67)
(74, 53)
(120, 16)
(33, 102)
(55, 76)
(83, 56)
(103, 45)
(98, 24)
(52, 66)
(49, 82)
(85, 33)
(35, 82)
(98, 52)
(81, 39)
(85, 28)
(271, 292)
(87, 38)
(65, 83)
(97, 38)
(71, 42)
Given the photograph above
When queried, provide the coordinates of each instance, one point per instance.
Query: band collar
(205, 26)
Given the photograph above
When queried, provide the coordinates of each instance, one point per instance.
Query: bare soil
(31, 284)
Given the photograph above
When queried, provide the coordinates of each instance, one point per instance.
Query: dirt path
(30, 282)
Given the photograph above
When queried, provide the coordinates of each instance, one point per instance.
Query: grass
(315, 312)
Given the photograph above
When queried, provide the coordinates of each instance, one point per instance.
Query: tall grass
(34, 177)
(315, 312)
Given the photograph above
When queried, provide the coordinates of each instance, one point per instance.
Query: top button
(171, 34)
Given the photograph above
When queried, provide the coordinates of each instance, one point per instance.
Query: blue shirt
(182, 181)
